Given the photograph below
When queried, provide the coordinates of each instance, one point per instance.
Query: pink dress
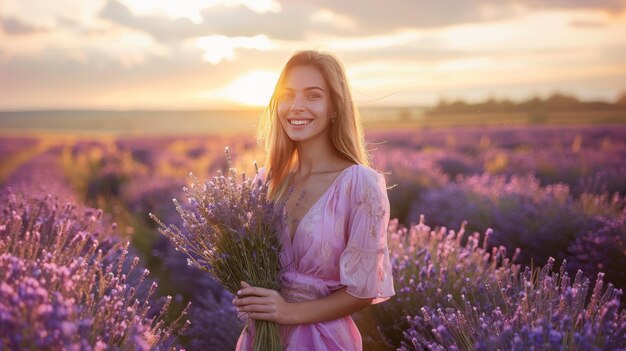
(340, 241)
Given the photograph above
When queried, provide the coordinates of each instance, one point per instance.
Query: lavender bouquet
(231, 230)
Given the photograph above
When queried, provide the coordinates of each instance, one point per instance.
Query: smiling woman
(335, 258)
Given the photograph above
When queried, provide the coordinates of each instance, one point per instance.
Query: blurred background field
(545, 190)
(556, 109)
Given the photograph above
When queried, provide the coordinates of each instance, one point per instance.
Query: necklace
(303, 192)
(300, 199)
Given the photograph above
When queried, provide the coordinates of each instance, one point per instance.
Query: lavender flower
(38, 176)
(431, 268)
(535, 309)
(61, 288)
(412, 173)
(541, 221)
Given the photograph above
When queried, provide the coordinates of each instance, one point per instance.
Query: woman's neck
(316, 156)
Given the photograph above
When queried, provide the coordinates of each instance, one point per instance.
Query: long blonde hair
(346, 132)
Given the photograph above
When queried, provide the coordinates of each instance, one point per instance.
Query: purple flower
(59, 289)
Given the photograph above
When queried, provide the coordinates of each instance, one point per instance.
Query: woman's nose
(297, 104)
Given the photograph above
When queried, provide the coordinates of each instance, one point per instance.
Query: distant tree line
(556, 102)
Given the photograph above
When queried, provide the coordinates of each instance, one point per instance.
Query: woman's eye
(315, 96)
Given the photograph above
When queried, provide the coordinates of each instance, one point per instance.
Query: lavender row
(465, 296)
(63, 288)
(472, 139)
(588, 159)
(144, 176)
(39, 175)
(588, 231)
(11, 146)
(539, 310)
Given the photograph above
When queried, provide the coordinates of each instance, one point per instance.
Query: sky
(227, 54)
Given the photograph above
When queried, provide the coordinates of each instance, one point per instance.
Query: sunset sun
(252, 89)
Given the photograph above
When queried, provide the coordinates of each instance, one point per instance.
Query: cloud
(163, 29)
(54, 80)
(582, 23)
(608, 5)
(15, 26)
(379, 15)
(298, 20)
(218, 48)
(292, 23)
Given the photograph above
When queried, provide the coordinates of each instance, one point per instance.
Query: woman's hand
(260, 303)
(267, 304)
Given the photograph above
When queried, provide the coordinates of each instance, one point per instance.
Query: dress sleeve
(364, 266)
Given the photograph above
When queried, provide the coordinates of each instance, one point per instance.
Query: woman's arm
(269, 305)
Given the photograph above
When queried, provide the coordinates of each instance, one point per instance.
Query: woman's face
(304, 104)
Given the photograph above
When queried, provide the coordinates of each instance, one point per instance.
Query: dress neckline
(332, 185)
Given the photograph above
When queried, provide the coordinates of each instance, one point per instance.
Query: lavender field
(502, 238)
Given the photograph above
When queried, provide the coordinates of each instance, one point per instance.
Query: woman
(335, 245)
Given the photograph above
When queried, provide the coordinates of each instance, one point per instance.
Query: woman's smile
(299, 122)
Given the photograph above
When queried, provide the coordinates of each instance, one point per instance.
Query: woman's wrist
(293, 315)
(336, 305)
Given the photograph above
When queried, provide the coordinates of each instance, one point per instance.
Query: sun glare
(252, 89)
(219, 47)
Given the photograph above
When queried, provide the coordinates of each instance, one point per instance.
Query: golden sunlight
(252, 89)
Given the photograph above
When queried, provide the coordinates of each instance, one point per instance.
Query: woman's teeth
(299, 122)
